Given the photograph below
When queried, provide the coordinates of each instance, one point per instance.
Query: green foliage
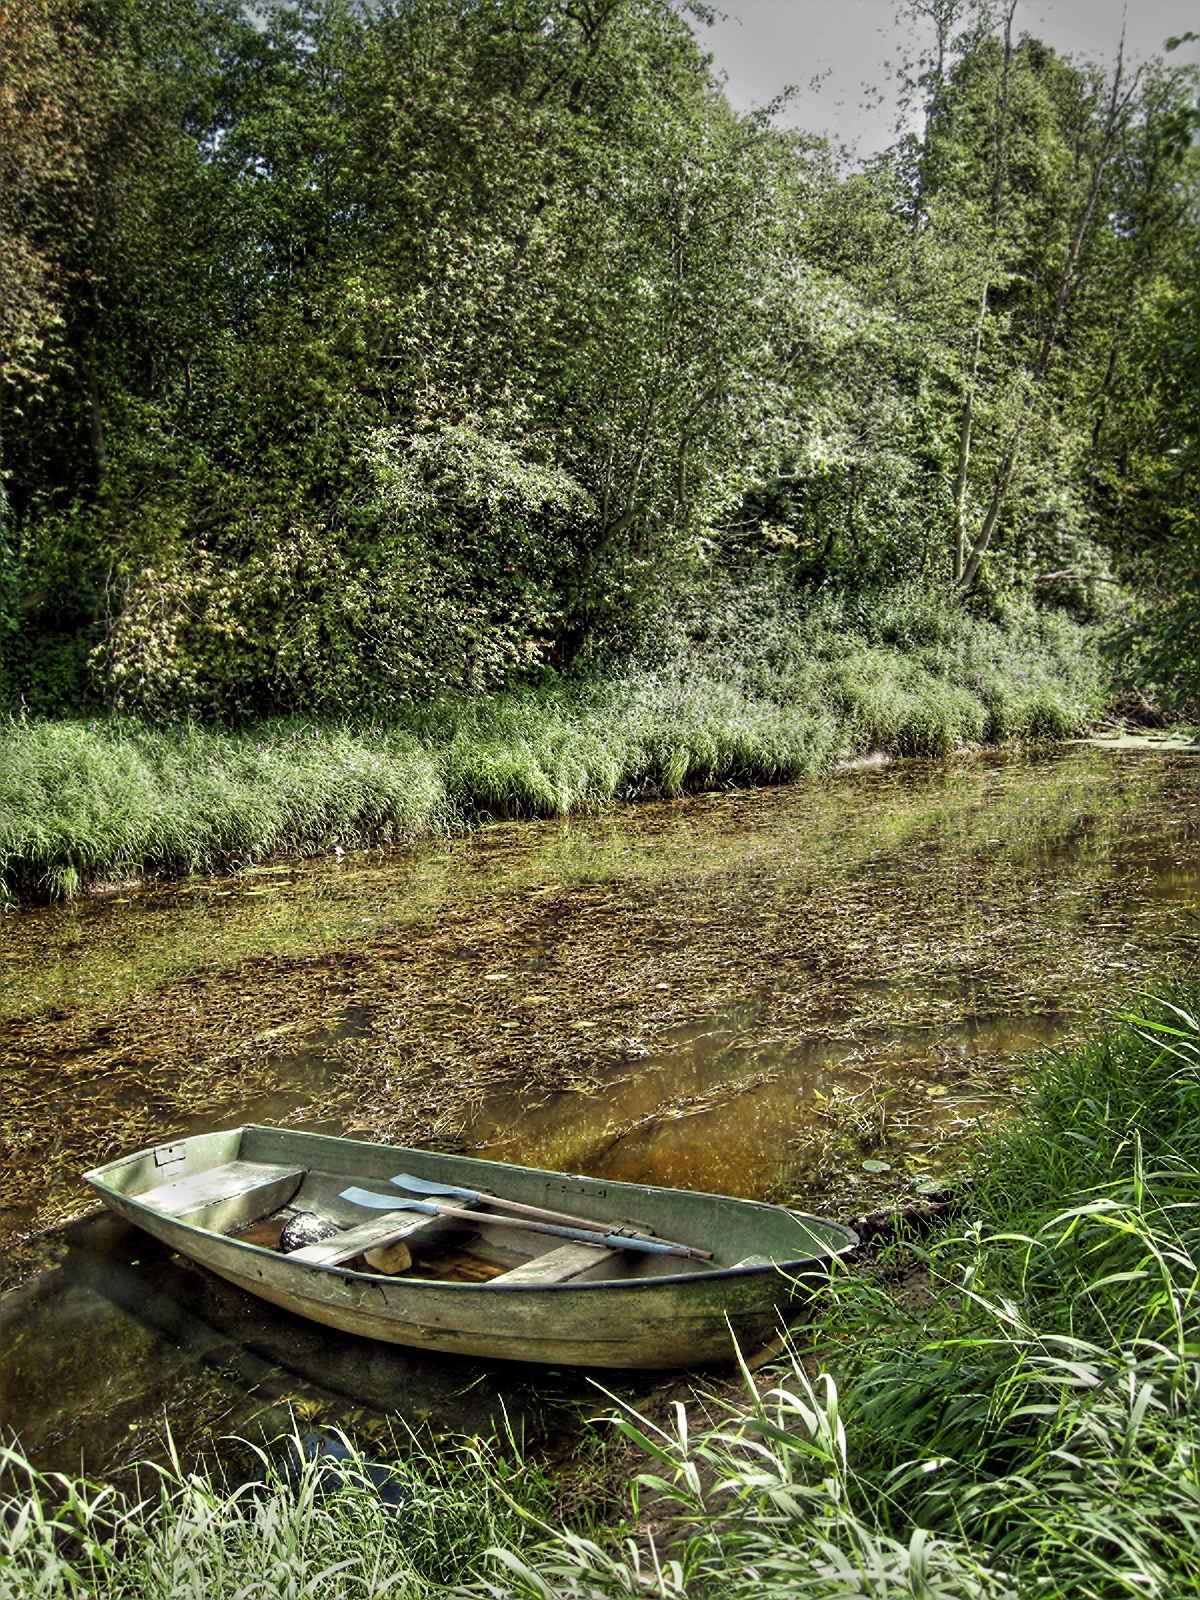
(1160, 650)
(78, 802)
(1056, 1387)
(359, 354)
(763, 693)
(367, 612)
(1121, 1109)
(319, 1532)
(470, 348)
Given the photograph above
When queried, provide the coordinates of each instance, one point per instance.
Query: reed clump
(307, 1525)
(757, 691)
(86, 801)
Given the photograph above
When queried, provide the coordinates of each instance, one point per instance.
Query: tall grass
(760, 694)
(660, 732)
(321, 1532)
(1037, 674)
(79, 801)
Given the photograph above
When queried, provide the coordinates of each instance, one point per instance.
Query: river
(754, 991)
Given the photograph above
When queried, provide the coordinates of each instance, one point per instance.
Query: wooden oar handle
(404, 1180)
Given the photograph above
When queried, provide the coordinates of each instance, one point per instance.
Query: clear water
(751, 992)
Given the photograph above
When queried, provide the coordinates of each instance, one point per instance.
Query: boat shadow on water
(121, 1336)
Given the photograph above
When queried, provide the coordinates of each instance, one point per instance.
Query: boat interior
(253, 1202)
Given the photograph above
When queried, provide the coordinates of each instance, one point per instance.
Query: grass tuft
(325, 1530)
(765, 694)
(82, 802)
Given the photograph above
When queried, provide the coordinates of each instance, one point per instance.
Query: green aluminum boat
(477, 1258)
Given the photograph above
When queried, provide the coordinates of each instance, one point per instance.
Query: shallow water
(752, 992)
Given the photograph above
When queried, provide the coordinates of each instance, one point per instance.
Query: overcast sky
(765, 45)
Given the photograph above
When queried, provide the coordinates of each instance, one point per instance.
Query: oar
(430, 1208)
(405, 1180)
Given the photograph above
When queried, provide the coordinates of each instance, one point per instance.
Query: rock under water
(390, 1258)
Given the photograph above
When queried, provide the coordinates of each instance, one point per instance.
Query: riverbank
(83, 803)
(1013, 1414)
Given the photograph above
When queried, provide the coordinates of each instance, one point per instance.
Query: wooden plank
(556, 1266)
(231, 1181)
(369, 1235)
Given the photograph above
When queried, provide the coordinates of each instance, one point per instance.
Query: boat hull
(661, 1318)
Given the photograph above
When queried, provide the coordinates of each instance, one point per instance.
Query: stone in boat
(629, 1275)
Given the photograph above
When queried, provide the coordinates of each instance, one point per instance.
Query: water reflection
(723, 1113)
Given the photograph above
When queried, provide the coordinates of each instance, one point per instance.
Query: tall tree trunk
(1098, 421)
(943, 14)
(966, 427)
(1068, 277)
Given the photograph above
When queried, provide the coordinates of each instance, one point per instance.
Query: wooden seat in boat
(556, 1266)
(370, 1235)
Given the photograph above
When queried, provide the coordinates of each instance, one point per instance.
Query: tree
(1161, 649)
(368, 350)
(443, 239)
(1037, 138)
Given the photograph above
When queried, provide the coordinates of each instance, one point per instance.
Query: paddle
(405, 1180)
(610, 1241)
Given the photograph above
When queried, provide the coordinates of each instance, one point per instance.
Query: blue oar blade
(385, 1202)
(405, 1180)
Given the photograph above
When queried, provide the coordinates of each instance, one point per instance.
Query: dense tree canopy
(351, 352)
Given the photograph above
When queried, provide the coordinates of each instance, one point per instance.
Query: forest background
(357, 360)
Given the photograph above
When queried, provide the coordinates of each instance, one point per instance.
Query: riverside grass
(307, 1527)
(1028, 1431)
(83, 802)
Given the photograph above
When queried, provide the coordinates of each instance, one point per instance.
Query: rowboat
(477, 1258)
